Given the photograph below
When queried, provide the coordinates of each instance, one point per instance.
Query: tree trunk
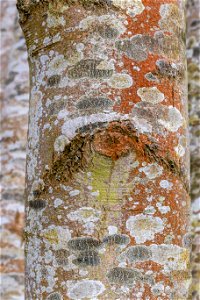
(107, 211)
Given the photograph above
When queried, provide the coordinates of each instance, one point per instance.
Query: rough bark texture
(107, 170)
(193, 54)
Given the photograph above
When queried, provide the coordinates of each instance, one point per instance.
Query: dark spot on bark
(83, 244)
(53, 80)
(76, 156)
(36, 193)
(94, 104)
(137, 47)
(122, 276)
(88, 68)
(87, 258)
(138, 253)
(196, 52)
(108, 32)
(37, 204)
(91, 127)
(195, 23)
(118, 239)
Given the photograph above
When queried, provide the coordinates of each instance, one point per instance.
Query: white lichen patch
(157, 289)
(144, 227)
(50, 278)
(83, 289)
(87, 216)
(37, 186)
(57, 202)
(165, 184)
(80, 47)
(60, 143)
(173, 121)
(180, 150)
(112, 229)
(172, 17)
(120, 81)
(106, 65)
(150, 94)
(48, 257)
(51, 40)
(54, 21)
(108, 20)
(57, 236)
(35, 269)
(57, 65)
(74, 193)
(35, 112)
(141, 125)
(75, 57)
(164, 209)
(152, 171)
(149, 210)
(133, 7)
(171, 256)
(136, 8)
(71, 126)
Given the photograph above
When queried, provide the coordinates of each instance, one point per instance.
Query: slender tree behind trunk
(193, 54)
(14, 101)
(107, 211)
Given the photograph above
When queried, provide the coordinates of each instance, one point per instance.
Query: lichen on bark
(108, 150)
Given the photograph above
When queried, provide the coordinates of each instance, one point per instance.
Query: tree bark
(107, 210)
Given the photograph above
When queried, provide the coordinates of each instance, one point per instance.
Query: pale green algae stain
(101, 170)
(110, 178)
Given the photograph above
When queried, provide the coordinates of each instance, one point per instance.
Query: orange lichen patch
(149, 18)
(113, 144)
(118, 140)
(171, 93)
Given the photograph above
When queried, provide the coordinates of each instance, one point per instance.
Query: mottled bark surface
(107, 172)
(193, 54)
